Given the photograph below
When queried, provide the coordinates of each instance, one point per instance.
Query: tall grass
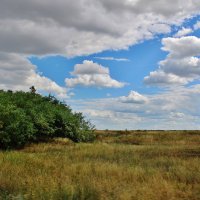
(126, 165)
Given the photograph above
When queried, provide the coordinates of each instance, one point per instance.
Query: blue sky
(141, 60)
(124, 64)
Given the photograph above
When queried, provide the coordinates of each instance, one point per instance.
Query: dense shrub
(26, 117)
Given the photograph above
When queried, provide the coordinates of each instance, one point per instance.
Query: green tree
(27, 117)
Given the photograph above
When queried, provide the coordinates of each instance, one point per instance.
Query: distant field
(120, 165)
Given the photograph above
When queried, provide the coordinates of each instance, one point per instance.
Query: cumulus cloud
(89, 67)
(92, 74)
(160, 78)
(183, 32)
(134, 97)
(17, 73)
(82, 27)
(182, 47)
(85, 26)
(182, 64)
(187, 67)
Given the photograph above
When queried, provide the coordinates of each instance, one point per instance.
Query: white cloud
(100, 113)
(17, 73)
(160, 28)
(181, 66)
(197, 26)
(182, 47)
(177, 108)
(89, 67)
(188, 67)
(183, 32)
(92, 74)
(82, 27)
(113, 59)
(111, 119)
(134, 97)
(160, 78)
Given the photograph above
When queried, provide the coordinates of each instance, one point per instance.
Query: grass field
(138, 165)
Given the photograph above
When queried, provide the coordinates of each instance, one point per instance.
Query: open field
(143, 165)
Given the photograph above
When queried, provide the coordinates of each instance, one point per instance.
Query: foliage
(163, 166)
(26, 117)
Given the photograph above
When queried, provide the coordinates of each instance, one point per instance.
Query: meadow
(119, 165)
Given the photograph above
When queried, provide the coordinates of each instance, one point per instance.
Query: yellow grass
(119, 165)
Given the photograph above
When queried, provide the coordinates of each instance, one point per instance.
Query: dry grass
(120, 165)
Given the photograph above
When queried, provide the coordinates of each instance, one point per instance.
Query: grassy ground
(138, 165)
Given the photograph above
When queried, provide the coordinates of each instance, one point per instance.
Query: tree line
(27, 117)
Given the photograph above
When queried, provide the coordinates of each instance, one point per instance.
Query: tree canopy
(29, 117)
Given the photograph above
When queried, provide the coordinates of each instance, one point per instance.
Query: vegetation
(120, 165)
(28, 117)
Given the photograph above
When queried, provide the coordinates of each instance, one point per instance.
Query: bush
(16, 129)
(26, 117)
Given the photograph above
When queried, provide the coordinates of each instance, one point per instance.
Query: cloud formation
(182, 64)
(92, 74)
(177, 108)
(183, 32)
(82, 27)
(134, 97)
(17, 73)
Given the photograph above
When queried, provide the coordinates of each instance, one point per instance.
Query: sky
(125, 64)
